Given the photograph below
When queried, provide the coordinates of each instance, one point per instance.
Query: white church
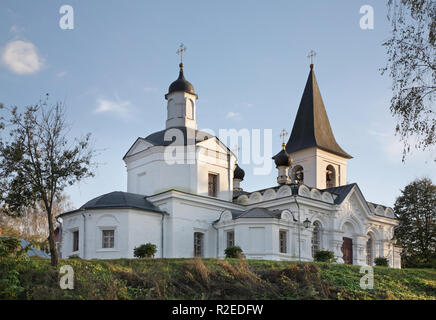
(195, 206)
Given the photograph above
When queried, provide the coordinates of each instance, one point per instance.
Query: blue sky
(246, 59)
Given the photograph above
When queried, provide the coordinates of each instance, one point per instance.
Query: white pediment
(140, 145)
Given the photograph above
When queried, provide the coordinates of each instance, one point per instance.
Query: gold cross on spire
(283, 135)
(311, 55)
(180, 51)
(236, 151)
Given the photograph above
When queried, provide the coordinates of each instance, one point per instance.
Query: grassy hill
(209, 279)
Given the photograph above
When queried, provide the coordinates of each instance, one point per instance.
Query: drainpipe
(217, 236)
(217, 239)
(299, 231)
(162, 235)
(84, 235)
(229, 176)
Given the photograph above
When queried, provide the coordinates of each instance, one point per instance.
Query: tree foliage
(381, 262)
(416, 232)
(411, 64)
(324, 256)
(147, 250)
(234, 252)
(32, 223)
(38, 160)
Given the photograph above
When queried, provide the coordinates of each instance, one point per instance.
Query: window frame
(316, 245)
(232, 240)
(110, 238)
(198, 244)
(76, 240)
(215, 183)
(283, 242)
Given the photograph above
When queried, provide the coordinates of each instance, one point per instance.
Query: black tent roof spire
(312, 126)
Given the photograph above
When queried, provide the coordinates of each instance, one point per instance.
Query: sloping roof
(312, 126)
(256, 213)
(190, 136)
(341, 192)
(120, 200)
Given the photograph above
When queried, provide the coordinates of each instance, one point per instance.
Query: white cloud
(233, 115)
(22, 57)
(392, 147)
(119, 107)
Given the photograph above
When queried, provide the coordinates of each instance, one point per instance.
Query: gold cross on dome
(311, 55)
(180, 51)
(283, 135)
(236, 151)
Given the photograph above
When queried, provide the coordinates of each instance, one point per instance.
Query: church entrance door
(347, 250)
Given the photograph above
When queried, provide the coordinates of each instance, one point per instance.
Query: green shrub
(324, 256)
(147, 250)
(74, 256)
(234, 252)
(381, 262)
(11, 247)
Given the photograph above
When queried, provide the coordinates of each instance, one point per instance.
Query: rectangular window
(283, 241)
(198, 244)
(230, 238)
(75, 241)
(108, 238)
(213, 185)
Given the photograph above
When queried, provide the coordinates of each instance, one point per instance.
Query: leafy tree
(416, 232)
(38, 160)
(411, 63)
(147, 250)
(32, 224)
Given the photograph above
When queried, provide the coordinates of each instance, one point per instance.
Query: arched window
(198, 244)
(316, 238)
(369, 252)
(298, 174)
(330, 176)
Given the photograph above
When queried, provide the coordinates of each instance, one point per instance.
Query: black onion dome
(238, 173)
(181, 84)
(282, 159)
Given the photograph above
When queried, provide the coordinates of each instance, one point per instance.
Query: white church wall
(149, 174)
(184, 220)
(144, 227)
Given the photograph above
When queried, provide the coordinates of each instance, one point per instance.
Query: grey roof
(120, 200)
(190, 136)
(311, 126)
(256, 213)
(341, 192)
(237, 193)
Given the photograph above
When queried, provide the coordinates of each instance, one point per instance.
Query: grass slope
(209, 279)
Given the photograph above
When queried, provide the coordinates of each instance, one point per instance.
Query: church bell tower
(317, 159)
(181, 106)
